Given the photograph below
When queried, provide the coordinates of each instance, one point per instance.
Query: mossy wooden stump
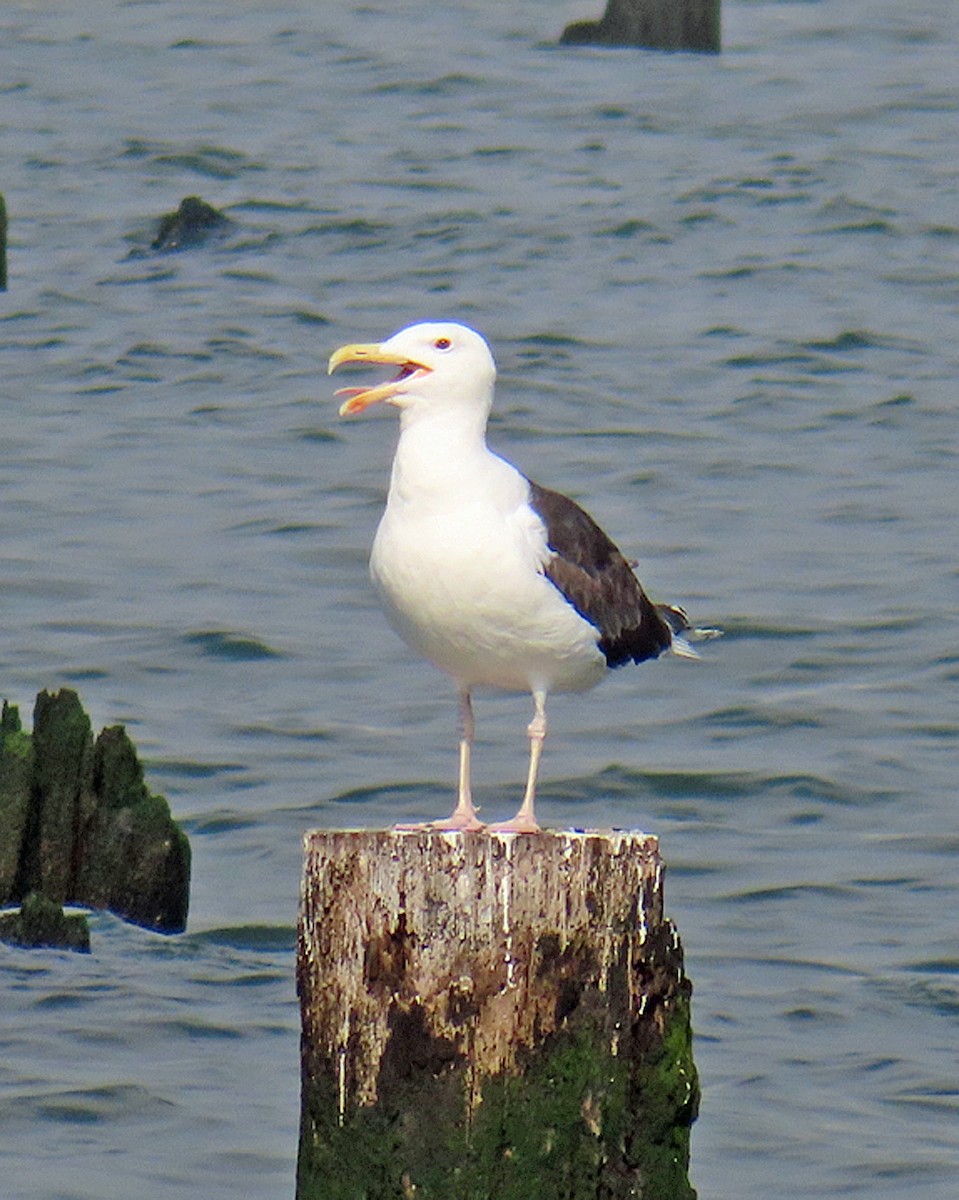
(78, 825)
(491, 1017)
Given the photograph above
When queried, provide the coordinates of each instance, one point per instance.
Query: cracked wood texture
(491, 1017)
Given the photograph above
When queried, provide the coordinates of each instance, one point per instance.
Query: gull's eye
(442, 344)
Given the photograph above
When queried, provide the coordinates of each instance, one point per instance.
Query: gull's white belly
(465, 589)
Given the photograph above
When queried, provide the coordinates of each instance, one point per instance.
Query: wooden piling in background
(3, 243)
(491, 1017)
(652, 24)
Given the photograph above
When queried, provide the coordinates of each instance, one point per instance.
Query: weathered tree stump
(78, 825)
(653, 24)
(491, 1017)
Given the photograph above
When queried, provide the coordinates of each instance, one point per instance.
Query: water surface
(723, 294)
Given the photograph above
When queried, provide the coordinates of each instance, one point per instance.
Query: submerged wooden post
(491, 1017)
(653, 24)
(3, 244)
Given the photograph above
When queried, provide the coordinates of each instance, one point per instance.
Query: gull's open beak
(371, 352)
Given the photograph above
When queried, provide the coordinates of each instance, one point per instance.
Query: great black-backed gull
(498, 581)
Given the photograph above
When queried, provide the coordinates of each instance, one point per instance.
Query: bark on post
(491, 1017)
(653, 24)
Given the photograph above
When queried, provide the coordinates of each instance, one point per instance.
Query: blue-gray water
(723, 293)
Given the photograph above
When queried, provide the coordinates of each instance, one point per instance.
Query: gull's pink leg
(525, 819)
(463, 815)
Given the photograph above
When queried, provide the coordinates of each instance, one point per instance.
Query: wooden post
(654, 24)
(491, 1017)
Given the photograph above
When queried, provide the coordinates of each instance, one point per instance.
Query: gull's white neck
(439, 452)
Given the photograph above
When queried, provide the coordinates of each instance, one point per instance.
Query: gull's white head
(442, 365)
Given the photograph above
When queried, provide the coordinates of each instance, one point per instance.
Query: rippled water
(723, 296)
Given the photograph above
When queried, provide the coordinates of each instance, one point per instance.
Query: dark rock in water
(79, 825)
(193, 223)
(42, 922)
(653, 24)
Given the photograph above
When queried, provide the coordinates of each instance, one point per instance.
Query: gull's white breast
(459, 573)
